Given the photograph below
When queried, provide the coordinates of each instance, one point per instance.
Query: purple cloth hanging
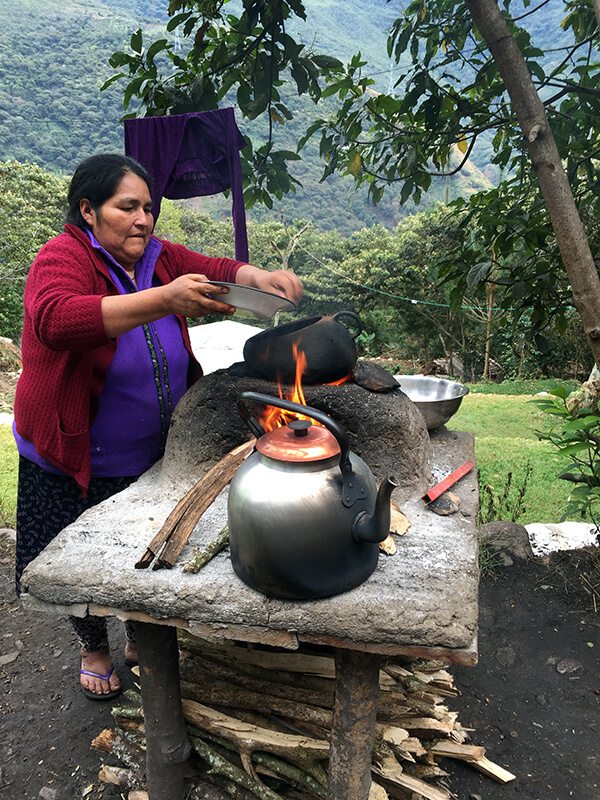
(192, 155)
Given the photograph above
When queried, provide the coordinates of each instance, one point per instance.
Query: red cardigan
(66, 352)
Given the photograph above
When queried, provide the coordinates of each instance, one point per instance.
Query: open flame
(278, 417)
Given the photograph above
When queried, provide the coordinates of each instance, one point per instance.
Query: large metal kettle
(305, 516)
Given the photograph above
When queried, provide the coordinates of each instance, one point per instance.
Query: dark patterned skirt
(47, 503)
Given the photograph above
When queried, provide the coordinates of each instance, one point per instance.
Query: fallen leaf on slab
(388, 545)
(400, 523)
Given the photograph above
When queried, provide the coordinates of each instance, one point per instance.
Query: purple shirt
(192, 155)
(146, 379)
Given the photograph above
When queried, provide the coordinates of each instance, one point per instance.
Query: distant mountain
(54, 58)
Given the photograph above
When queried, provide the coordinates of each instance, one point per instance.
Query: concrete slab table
(419, 603)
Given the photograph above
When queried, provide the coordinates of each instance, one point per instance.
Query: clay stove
(384, 428)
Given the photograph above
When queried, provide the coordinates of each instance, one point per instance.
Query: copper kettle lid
(299, 441)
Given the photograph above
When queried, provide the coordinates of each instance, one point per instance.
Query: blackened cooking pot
(328, 345)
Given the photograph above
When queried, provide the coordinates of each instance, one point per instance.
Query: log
(377, 792)
(229, 787)
(221, 693)
(291, 662)
(221, 766)
(248, 737)
(399, 780)
(291, 774)
(174, 534)
(354, 724)
(130, 753)
(200, 669)
(309, 767)
(167, 744)
(426, 727)
(201, 556)
(117, 776)
(492, 770)
(461, 752)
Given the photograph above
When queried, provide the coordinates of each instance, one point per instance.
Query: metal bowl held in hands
(436, 398)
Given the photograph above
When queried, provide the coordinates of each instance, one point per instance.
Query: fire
(277, 417)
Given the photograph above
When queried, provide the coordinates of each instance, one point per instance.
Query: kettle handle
(355, 319)
(296, 408)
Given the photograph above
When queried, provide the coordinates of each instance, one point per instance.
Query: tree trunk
(489, 297)
(568, 228)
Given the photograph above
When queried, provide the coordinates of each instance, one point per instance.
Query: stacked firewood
(259, 722)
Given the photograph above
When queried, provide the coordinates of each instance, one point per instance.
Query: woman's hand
(280, 281)
(188, 296)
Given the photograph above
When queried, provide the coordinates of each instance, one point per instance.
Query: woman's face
(123, 223)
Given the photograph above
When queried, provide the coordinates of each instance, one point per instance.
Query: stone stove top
(421, 599)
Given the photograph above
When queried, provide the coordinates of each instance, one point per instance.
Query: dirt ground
(533, 700)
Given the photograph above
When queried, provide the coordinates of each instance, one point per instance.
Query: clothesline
(411, 300)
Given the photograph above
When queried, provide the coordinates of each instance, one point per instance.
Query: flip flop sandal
(95, 696)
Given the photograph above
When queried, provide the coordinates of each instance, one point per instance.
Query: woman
(106, 358)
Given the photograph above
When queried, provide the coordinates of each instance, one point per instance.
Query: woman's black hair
(96, 179)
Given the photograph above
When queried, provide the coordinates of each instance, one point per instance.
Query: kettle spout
(376, 527)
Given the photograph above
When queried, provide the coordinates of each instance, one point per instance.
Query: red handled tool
(448, 481)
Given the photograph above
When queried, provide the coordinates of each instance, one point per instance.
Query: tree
(32, 209)
(450, 91)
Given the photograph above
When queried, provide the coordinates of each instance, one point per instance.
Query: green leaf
(582, 423)
(572, 449)
(354, 163)
(156, 47)
(478, 274)
(175, 21)
(136, 41)
(310, 131)
(114, 78)
(406, 191)
(327, 62)
(285, 155)
(119, 59)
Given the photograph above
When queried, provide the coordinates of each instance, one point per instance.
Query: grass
(520, 386)
(505, 444)
(9, 460)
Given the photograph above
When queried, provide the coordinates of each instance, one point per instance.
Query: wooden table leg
(167, 744)
(353, 727)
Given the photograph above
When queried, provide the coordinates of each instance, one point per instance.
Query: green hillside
(54, 58)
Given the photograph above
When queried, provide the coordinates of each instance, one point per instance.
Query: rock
(446, 504)
(9, 658)
(48, 793)
(506, 656)
(568, 665)
(585, 399)
(507, 539)
(373, 377)
(474, 797)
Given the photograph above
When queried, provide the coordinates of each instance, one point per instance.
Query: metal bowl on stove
(437, 399)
